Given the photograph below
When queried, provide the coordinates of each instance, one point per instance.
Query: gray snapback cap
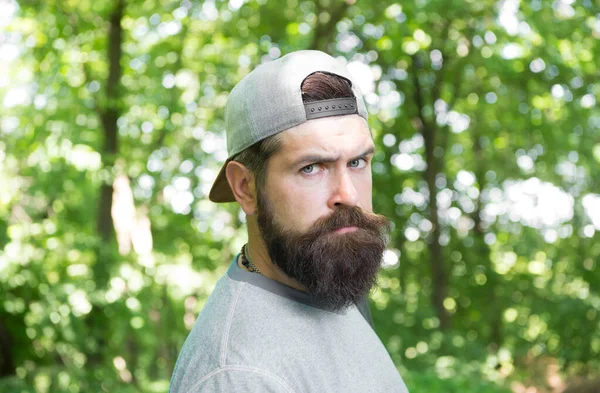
(268, 101)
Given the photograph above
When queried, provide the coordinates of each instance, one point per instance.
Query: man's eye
(309, 169)
(358, 163)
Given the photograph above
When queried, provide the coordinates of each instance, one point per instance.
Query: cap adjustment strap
(333, 107)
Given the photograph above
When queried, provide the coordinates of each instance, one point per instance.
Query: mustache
(351, 217)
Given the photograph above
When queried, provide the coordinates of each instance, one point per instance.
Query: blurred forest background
(486, 120)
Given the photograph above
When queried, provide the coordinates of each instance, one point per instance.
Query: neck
(257, 252)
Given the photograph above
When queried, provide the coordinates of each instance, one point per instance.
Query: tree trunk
(97, 320)
(440, 284)
(429, 129)
(482, 250)
(109, 117)
(7, 363)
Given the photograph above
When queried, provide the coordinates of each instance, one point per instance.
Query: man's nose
(344, 192)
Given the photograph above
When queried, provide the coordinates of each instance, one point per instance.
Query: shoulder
(206, 345)
(238, 378)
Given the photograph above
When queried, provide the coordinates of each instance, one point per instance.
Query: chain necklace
(247, 262)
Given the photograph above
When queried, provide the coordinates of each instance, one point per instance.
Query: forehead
(338, 134)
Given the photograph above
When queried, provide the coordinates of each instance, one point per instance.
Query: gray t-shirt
(256, 335)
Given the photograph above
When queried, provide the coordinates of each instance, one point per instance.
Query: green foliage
(431, 382)
(487, 130)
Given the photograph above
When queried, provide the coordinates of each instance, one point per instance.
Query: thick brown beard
(337, 269)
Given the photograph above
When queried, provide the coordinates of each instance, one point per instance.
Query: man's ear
(242, 184)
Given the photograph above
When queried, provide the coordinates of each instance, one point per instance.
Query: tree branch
(174, 97)
(87, 74)
(324, 32)
(418, 94)
(440, 77)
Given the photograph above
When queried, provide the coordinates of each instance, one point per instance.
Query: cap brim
(220, 191)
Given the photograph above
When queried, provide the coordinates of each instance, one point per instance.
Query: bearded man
(290, 314)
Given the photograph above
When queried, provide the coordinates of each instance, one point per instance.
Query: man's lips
(346, 229)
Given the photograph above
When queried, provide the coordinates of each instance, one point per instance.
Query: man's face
(315, 212)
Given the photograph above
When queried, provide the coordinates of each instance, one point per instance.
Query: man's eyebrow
(311, 158)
